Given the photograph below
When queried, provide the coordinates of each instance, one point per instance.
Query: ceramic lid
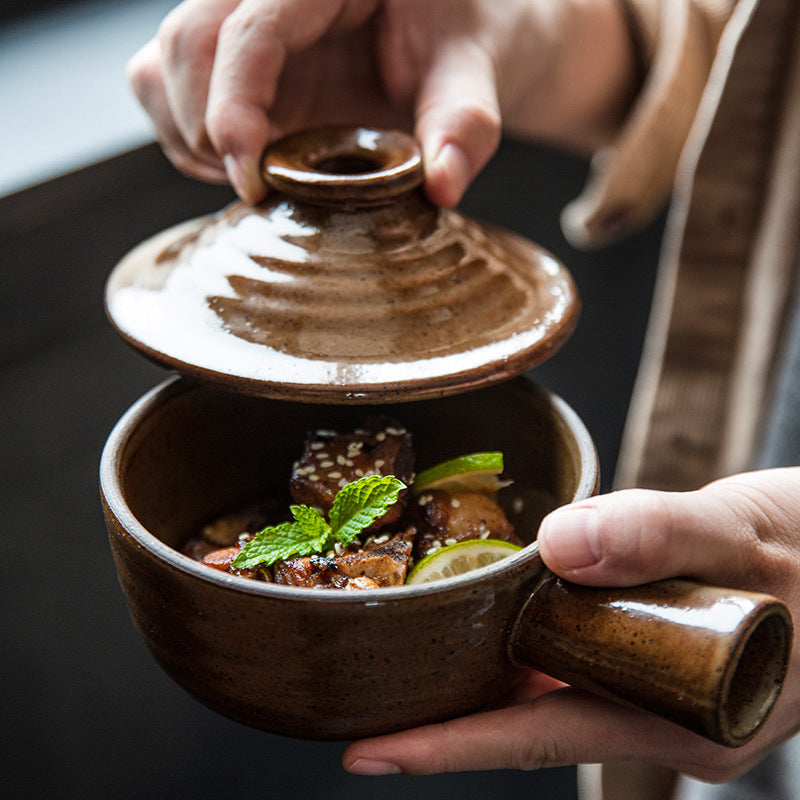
(344, 285)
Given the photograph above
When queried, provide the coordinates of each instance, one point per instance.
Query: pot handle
(712, 660)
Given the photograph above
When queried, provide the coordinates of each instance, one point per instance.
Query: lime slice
(458, 558)
(476, 472)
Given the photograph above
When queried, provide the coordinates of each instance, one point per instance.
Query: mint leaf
(310, 520)
(360, 503)
(354, 508)
(279, 542)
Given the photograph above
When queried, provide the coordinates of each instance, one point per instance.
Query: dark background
(85, 711)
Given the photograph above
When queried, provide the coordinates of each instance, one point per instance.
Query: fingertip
(367, 766)
(447, 175)
(569, 540)
(244, 174)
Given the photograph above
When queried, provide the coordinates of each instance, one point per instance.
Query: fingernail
(245, 177)
(572, 537)
(365, 766)
(453, 170)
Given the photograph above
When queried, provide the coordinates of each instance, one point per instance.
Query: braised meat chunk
(381, 525)
(382, 561)
(222, 559)
(444, 519)
(331, 460)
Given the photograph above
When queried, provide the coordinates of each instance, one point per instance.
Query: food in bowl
(361, 521)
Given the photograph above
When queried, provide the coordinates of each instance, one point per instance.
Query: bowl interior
(187, 453)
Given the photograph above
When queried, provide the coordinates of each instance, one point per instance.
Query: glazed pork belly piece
(331, 460)
(443, 519)
(382, 561)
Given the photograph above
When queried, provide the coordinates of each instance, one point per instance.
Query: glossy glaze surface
(324, 663)
(332, 664)
(711, 659)
(342, 285)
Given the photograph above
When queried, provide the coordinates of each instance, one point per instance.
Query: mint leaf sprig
(354, 508)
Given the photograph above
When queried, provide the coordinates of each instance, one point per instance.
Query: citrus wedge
(458, 558)
(476, 472)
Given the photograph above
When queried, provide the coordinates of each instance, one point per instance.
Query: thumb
(724, 533)
(457, 119)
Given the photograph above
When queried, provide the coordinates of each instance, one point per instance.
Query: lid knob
(343, 166)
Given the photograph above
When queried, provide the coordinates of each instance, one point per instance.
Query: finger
(188, 41)
(251, 51)
(727, 533)
(144, 77)
(535, 685)
(560, 728)
(458, 119)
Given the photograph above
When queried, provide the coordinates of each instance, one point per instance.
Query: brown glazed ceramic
(345, 285)
(328, 664)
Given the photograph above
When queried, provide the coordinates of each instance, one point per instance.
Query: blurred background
(86, 712)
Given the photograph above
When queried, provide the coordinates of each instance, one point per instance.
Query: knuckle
(540, 751)
(246, 23)
(625, 539)
(764, 533)
(143, 71)
(184, 37)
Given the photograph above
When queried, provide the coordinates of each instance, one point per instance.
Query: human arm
(739, 532)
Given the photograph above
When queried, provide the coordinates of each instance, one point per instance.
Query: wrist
(589, 71)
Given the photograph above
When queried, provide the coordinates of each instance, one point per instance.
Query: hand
(741, 532)
(222, 78)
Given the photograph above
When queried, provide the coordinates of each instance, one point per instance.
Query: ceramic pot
(345, 285)
(328, 664)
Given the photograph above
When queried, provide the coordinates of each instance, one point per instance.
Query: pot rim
(116, 505)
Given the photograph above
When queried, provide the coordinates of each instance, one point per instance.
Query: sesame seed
(485, 534)
(313, 476)
(380, 436)
(321, 455)
(326, 464)
(424, 499)
(395, 431)
(342, 483)
(379, 462)
(517, 505)
(455, 503)
(334, 474)
(322, 432)
(317, 445)
(338, 548)
(360, 473)
(382, 539)
(450, 541)
(341, 459)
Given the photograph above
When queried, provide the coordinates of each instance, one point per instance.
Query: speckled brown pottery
(345, 285)
(329, 664)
